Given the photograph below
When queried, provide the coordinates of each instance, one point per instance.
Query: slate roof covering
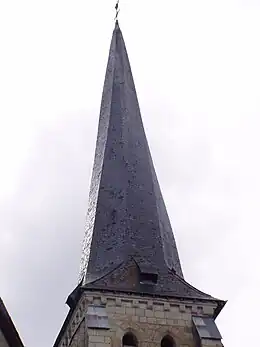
(8, 329)
(126, 214)
(126, 277)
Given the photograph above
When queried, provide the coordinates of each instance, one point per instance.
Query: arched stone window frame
(130, 339)
(167, 341)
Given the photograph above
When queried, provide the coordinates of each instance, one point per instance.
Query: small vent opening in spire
(148, 278)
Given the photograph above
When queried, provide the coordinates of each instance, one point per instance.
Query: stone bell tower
(131, 291)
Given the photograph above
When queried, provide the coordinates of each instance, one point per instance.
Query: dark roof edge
(71, 301)
(63, 328)
(164, 295)
(192, 287)
(221, 304)
(8, 328)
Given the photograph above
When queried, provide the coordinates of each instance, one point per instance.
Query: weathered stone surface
(79, 338)
(127, 313)
(211, 343)
(159, 314)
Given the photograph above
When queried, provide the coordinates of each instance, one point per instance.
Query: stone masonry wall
(211, 343)
(149, 319)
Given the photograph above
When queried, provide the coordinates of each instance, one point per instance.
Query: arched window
(129, 340)
(167, 341)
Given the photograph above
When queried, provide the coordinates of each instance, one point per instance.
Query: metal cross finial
(117, 9)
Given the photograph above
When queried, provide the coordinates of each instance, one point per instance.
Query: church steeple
(131, 278)
(128, 228)
(127, 214)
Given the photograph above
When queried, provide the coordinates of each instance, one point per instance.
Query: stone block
(175, 308)
(188, 329)
(175, 322)
(143, 319)
(108, 333)
(119, 317)
(111, 302)
(171, 315)
(211, 343)
(103, 300)
(139, 312)
(151, 320)
(120, 310)
(130, 311)
(92, 332)
(167, 306)
(97, 338)
(181, 322)
(182, 308)
(161, 321)
(108, 340)
(208, 310)
(194, 309)
(149, 313)
(169, 322)
(97, 300)
(149, 305)
(99, 344)
(185, 316)
(188, 323)
(118, 302)
(159, 314)
(127, 304)
(135, 303)
(158, 307)
(188, 337)
(89, 299)
(111, 309)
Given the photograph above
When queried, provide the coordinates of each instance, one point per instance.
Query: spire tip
(117, 11)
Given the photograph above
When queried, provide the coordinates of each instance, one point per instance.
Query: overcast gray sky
(197, 72)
